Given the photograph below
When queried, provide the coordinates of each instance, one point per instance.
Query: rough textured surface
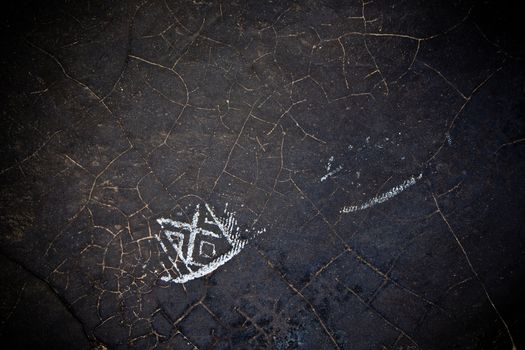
(116, 114)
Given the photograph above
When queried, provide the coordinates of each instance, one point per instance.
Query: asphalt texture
(262, 175)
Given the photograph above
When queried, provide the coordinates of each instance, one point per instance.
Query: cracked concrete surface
(369, 156)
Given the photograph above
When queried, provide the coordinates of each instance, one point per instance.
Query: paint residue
(329, 171)
(384, 196)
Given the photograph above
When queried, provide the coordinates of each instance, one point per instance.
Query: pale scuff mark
(384, 196)
(331, 172)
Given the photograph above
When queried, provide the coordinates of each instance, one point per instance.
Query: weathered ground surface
(408, 114)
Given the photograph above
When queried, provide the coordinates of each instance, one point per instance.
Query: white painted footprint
(201, 246)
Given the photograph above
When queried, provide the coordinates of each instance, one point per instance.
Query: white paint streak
(229, 233)
(328, 167)
(383, 197)
(449, 138)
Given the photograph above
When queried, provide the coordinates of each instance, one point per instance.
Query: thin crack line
(474, 272)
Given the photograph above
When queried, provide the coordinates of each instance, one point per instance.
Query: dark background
(117, 113)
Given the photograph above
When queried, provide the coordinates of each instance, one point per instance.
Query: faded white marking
(328, 167)
(178, 232)
(383, 197)
(449, 138)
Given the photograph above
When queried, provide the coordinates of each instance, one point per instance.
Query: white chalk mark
(383, 197)
(328, 167)
(182, 234)
(449, 138)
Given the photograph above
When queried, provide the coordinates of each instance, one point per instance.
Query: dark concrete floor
(330, 175)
